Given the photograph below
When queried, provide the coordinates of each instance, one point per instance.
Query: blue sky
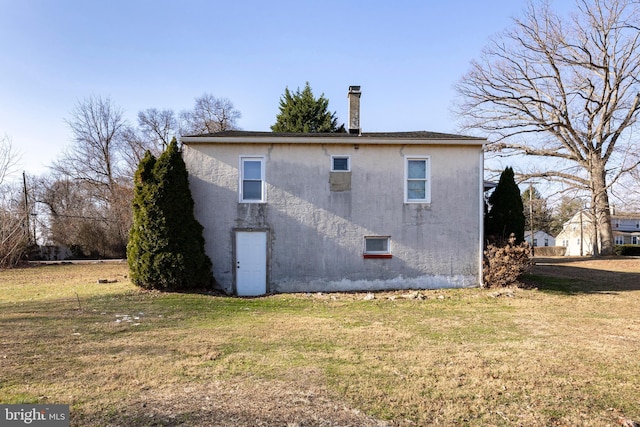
(406, 56)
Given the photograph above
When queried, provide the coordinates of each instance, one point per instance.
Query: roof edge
(418, 137)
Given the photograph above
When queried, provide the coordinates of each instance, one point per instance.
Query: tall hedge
(506, 215)
(166, 246)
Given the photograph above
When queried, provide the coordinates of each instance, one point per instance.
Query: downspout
(481, 220)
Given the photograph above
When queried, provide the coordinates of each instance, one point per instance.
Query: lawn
(565, 352)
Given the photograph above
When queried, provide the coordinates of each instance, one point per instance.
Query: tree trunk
(600, 198)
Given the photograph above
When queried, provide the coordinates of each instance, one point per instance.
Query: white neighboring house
(540, 238)
(295, 212)
(577, 234)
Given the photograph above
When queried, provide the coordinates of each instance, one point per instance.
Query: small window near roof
(377, 247)
(340, 164)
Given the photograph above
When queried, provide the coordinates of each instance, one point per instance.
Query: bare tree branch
(568, 89)
(9, 158)
(210, 114)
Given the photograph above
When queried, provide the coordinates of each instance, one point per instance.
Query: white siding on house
(540, 238)
(577, 233)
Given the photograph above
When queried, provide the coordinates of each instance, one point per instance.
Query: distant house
(626, 229)
(292, 212)
(577, 234)
(540, 238)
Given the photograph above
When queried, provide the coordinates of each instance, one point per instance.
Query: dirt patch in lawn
(249, 402)
(592, 275)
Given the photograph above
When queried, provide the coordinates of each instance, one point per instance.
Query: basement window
(377, 247)
(340, 164)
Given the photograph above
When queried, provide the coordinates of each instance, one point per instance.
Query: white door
(251, 263)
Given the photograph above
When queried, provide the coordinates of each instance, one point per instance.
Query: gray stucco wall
(316, 236)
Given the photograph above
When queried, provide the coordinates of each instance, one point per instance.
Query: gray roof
(387, 135)
(369, 138)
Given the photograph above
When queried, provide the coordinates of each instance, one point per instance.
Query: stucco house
(356, 211)
(577, 233)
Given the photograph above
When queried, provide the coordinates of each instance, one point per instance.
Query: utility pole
(533, 248)
(27, 218)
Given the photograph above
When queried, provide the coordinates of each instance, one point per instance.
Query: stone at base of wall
(400, 282)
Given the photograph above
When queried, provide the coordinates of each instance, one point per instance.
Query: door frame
(235, 256)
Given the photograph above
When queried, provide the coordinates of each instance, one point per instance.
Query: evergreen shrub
(627, 250)
(166, 245)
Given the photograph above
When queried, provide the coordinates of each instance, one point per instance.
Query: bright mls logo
(34, 415)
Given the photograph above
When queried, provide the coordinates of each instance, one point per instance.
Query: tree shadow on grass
(572, 276)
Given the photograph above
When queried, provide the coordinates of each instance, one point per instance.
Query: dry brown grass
(563, 354)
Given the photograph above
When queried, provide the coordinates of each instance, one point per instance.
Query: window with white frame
(377, 246)
(619, 240)
(252, 179)
(634, 240)
(417, 186)
(340, 164)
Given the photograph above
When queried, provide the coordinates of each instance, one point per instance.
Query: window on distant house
(535, 242)
(634, 240)
(377, 247)
(252, 180)
(340, 164)
(619, 240)
(616, 223)
(417, 183)
(546, 241)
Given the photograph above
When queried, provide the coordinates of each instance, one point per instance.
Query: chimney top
(354, 109)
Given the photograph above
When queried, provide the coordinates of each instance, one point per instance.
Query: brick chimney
(354, 109)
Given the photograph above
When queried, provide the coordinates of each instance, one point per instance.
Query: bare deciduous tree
(14, 236)
(210, 114)
(154, 133)
(565, 90)
(96, 162)
(158, 127)
(9, 158)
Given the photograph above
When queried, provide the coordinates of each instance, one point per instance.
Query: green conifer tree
(506, 215)
(302, 112)
(166, 246)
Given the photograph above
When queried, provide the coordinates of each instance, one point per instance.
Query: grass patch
(121, 356)
(557, 285)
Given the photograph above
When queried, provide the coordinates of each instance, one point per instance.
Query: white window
(417, 180)
(619, 240)
(634, 240)
(546, 241)
(377, 246)
(252, 180)
(340, 164)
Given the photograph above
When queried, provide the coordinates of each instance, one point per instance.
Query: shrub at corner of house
(503, 265)
(627, 250)
(166, 246)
